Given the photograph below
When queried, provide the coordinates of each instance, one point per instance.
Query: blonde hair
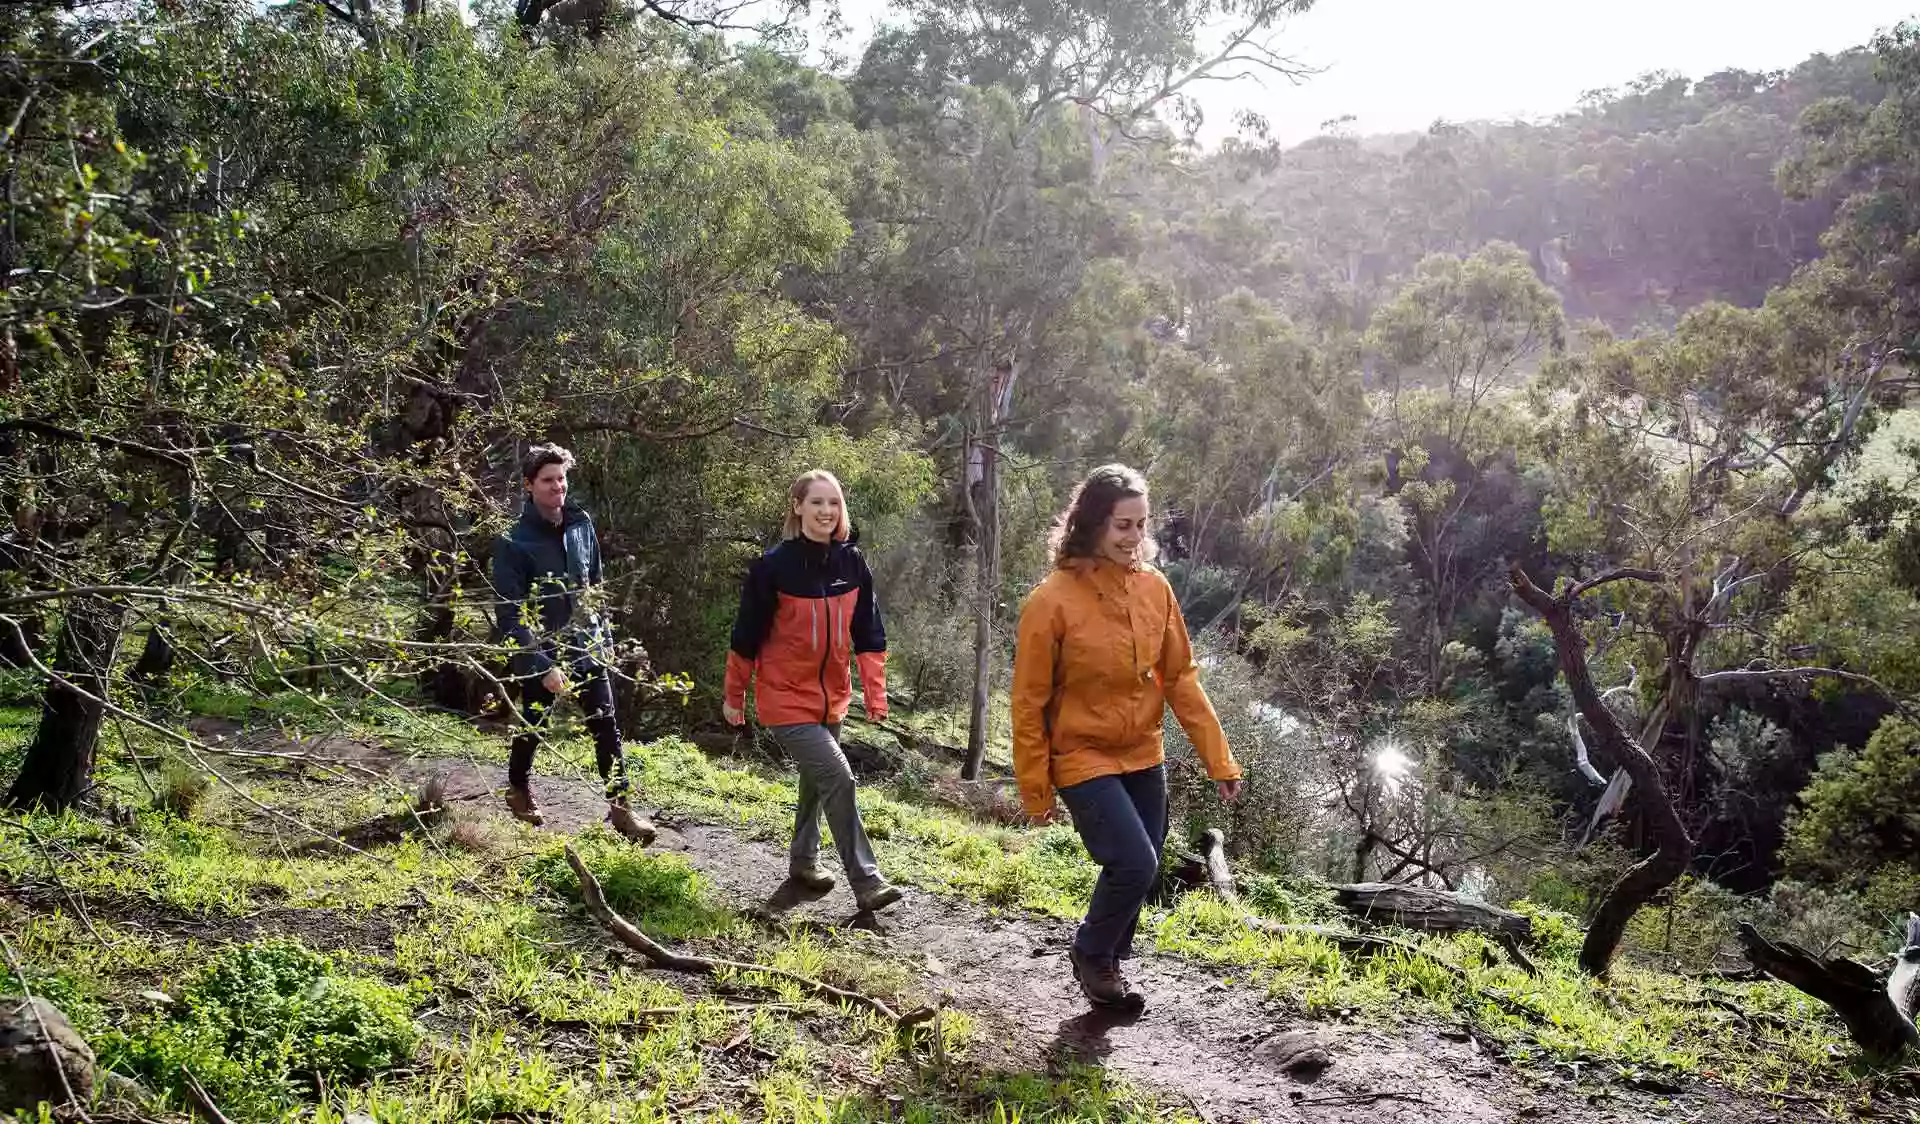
(803, 484)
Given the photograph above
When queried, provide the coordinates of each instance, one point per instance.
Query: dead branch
(201, 1099)
(1855, 992)
(629, 934)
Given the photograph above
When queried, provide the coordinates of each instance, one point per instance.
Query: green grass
(499, 996)
(491, 951)
(1046, 871)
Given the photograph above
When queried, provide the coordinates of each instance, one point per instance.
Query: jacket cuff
(873, 682)
(739, 674)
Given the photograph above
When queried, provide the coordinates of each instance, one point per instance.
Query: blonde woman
(807, 615)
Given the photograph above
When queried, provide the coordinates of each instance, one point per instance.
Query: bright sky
(1397, 65)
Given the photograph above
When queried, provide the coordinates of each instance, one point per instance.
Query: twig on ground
(1350, 1099)
(201, 1099)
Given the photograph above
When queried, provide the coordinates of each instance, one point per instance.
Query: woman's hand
(734, 715)
(1041, 818)
(1229, 790)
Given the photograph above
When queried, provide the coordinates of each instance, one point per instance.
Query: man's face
(549, 488)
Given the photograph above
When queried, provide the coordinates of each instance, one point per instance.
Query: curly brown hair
(1079, 527)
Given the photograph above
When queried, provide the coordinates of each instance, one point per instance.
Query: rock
(31, 1062)
(359, 1118)
(157, 998)
(117, 1091)
(1295, 1052)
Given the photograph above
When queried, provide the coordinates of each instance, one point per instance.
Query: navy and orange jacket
(806, 615)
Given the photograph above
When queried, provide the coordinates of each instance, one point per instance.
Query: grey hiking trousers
(826, 785)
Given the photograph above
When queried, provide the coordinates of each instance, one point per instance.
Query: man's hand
(1041, 818)
(555, 682)
(1229, 790)
(734, 715)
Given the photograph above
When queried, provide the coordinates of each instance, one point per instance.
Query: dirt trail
(1202, 1040)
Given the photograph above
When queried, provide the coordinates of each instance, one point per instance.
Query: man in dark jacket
(545, 564)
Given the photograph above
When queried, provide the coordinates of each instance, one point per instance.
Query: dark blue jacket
(539, 565)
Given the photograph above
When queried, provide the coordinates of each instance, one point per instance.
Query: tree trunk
(986, 505)
(58, 769)
(19, 646)
(156, 657)
(1673, 847)
(1430, 911)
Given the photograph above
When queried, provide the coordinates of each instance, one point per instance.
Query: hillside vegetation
(1542, 498)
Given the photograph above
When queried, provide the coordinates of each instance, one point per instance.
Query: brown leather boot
(637, 828)
(1100, 980)
(793, 892)
(878, 896)
(813, 878)
(520, 802)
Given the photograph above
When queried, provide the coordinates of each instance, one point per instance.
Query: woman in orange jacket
(1102, 650)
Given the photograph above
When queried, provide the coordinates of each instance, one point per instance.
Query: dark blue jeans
(1123, 822)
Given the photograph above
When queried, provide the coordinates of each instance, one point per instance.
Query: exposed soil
(1218, 1046)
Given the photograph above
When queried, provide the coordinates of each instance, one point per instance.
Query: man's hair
(540, 456)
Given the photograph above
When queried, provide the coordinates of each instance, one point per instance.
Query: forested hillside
(1544, 499)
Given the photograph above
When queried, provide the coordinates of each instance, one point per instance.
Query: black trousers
(594, 689)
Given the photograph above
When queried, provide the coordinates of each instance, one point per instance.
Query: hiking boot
(813, 878)
(1100, 980)
(793, 892)
(520, 803)
(877, 897)
(637, 828)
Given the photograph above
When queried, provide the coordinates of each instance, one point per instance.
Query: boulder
(32, 1060)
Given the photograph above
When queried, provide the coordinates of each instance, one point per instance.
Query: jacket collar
(1106, 575)
(814, 552)
(570, 515)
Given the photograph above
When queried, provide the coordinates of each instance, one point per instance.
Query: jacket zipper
(826, 700)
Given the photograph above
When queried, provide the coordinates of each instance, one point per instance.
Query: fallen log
(1213, 860)
(1878, 1015)
(1429, 910)
(629, 934)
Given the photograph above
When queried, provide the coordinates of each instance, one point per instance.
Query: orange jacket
(1102, 650)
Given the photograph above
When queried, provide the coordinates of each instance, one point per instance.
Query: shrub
(1275, 810)
(262, 1017)
(182, 789)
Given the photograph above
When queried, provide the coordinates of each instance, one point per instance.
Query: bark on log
(1879, 1016)
(1429, 910)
